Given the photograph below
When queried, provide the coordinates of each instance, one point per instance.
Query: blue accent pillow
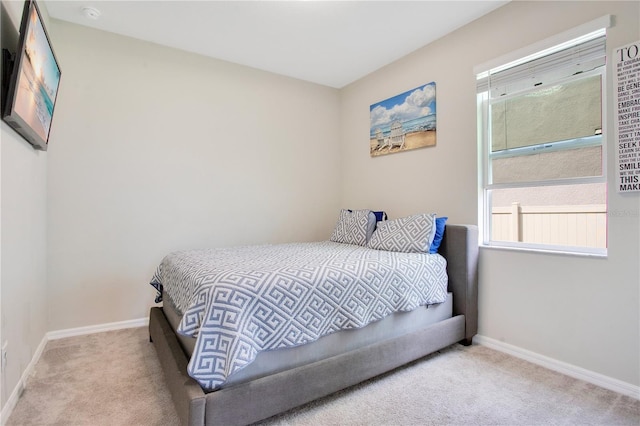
(437, 239)
(380, 216)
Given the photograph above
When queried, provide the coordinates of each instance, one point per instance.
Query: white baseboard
(99, 328)
(561, 367)
(17, 391)
(60, 334)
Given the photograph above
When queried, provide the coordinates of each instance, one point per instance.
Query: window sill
(600, 254)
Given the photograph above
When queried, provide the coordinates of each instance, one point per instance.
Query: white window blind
(582, 55)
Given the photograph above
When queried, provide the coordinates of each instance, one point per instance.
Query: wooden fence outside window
(580, 225)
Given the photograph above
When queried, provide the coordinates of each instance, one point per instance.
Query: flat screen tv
(32, 87)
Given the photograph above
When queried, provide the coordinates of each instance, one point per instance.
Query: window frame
(485, 155)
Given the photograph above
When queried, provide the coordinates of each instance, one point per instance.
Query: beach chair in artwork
(397, 135)
(381, 141)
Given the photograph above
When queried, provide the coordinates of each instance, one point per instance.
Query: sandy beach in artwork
(412, 140)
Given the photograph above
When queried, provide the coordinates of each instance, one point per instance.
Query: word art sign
(627, 87)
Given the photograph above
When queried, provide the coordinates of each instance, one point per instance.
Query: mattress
(270, 362)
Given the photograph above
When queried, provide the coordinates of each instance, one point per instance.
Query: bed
(271, 372)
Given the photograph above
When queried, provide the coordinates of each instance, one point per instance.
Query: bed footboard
(262, 398)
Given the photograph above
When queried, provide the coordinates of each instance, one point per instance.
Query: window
(542, 149)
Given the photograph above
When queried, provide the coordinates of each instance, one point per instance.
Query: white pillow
(411, 234)
(354, 227)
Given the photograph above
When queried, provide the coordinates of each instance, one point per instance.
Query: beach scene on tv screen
(38, 81)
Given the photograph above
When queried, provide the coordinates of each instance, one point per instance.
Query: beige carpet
(107, 379)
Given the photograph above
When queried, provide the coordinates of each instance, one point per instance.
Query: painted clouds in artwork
(407, 106)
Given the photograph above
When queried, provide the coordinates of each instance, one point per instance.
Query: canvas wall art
(404, 122)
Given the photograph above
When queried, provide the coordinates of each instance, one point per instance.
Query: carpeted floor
(114, 379)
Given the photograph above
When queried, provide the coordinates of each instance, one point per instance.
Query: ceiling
(332, 43)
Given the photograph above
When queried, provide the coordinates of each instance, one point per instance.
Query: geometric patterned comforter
(239, 301)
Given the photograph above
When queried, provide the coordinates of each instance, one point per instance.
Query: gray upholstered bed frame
(262, 398)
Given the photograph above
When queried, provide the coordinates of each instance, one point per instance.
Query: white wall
(155, 150)
(578, 310)
(23, 278)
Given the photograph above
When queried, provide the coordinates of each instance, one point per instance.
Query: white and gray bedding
(240, 301)
(271, 362)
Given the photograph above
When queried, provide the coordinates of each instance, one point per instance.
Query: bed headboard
(460, 248)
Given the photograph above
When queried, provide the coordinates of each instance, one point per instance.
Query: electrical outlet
(4, 355)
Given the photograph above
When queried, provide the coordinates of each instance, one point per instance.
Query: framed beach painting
(404, 122)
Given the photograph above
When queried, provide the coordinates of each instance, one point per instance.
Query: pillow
(437, 238)
(371, 226)
(380, 216)
(354, 227)
(412, 234)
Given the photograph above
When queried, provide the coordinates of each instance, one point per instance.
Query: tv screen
(35, 78)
